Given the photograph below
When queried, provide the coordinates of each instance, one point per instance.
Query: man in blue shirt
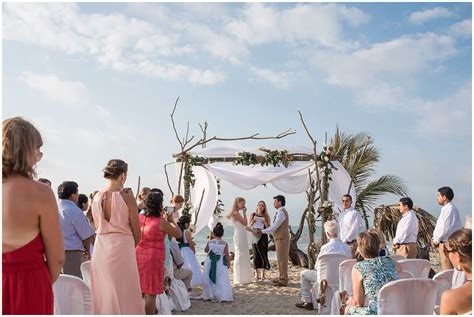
(76, 229)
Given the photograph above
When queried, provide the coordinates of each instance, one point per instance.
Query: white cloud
(278, 79)
(463, 28)
(419, 17)
(113, 40)
(70, 93)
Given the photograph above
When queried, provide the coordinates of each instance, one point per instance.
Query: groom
(281, 235)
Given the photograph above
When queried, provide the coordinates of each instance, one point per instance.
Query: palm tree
(359, 156)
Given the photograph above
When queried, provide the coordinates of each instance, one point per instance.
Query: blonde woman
(242, 268)
(383, 242)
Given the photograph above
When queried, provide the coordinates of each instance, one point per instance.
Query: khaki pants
(353, 247)
(185, 275)
(72, 263)
(282, 247)
(444, 261)
(408, 251)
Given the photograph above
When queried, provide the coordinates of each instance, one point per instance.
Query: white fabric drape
(339, 185)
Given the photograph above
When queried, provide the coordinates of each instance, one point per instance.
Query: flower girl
(216, 281)
(187, 247)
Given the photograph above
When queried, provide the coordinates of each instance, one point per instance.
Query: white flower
(326, 158)
(324, 145)
(325, 204)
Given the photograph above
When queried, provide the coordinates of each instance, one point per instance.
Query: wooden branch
(168, 179)
(199, 208)
(204, 132)
(174, 124)
(138, 188)
(307, 131)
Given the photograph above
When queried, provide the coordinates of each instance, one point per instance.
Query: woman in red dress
(33, 250)
(151, 249)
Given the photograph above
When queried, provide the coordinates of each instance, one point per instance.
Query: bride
(242, 269)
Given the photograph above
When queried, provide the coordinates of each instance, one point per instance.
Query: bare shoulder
(128, 198)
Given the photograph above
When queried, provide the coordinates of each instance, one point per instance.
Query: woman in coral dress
(115, 282)
(151, 249)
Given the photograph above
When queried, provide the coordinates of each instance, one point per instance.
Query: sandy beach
(263, 298)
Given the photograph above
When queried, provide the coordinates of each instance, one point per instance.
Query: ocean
(201, 240)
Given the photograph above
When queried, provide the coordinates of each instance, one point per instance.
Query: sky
(99, 80)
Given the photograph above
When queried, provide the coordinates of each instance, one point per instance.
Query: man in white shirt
(404, 242)
(449, 221)
(349, 222)
(309, 277)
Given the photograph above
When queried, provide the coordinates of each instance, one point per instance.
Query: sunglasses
(446, 251)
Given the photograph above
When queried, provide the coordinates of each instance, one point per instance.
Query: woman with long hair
(260, 219)
(32, 240)
(242, 267)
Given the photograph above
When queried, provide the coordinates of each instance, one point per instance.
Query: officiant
(260, 219)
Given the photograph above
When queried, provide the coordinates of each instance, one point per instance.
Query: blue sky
(100, 80)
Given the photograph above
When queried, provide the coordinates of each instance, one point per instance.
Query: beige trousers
(283, 253)
(444, 259)
(408, 251)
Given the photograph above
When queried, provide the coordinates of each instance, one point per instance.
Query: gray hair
(332, 228)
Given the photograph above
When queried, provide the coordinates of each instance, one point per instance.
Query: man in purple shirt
(76, 229)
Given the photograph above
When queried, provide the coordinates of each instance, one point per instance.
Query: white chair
(179, 295)
(86, 272)
(405, 274)
(396, 257)
(414, 296)
(345, 284)
(71, 296)
(328, 270)
(444, 281)
(420, 268)
(163, 304)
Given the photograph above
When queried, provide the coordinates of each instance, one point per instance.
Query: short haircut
(368, 244)
(44, 181)
(156, 190)
(153, 205)
(177, 199)
(66, 189)
(83, 199)
(281, 199)
(332, 228)
(348, 196)
(406, 201)
(447, 192)
(218, 230)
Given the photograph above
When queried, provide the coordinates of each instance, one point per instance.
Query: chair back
(444, 281)
(86, 272)
(329, 268)
(414, 296)
(72, 296)
(396, 257)
(345, 275)
(420, 268)
(405, 274)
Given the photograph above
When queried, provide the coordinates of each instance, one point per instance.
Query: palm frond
(387, 184)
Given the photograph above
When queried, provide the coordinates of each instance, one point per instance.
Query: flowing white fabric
(418, 267)
(205, 183)
(242, 267)
(71, 296)
(179, 295)
(413, 296)
(339, 186)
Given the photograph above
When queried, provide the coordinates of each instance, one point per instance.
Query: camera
(170, 209)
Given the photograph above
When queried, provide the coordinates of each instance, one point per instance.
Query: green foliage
(274, 158)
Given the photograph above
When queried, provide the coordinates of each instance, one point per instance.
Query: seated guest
(459, 251)
(383, 243)
(76, 229)
(404, 242)
(179, 272)
(370, 275)
(459, 278)
(309, 277)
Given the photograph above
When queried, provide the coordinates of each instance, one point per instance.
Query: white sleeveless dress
(242, 267)
(221, 291)
(191, 262)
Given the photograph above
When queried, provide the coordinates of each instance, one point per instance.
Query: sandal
(323, 287)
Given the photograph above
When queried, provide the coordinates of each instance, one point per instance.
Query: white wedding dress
(242, 267)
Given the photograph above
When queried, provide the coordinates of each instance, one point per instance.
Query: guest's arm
(52, 235)
(206, 249)
(133, 216)
(357, 289)
(401, 233)
(192, 244)
(441, 229)
(83, 229)
(170, 228)
(278, 222)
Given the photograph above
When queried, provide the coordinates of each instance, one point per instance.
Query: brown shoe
(279, 284)
(304, 305)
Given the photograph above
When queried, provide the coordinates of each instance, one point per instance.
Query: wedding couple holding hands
(259, 224)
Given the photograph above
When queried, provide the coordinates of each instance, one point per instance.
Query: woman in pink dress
(151, 249)
(115, 282)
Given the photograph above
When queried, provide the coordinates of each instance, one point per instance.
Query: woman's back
(376, 272)
(151, 232)
(111, 213)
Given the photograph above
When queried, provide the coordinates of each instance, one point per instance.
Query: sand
(262, 298)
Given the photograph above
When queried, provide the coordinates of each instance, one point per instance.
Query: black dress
(260, 252)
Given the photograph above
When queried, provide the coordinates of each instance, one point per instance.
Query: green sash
(213, 272)
(183, 245)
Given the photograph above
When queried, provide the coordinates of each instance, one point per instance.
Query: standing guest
(459, 251)
(260, 219)
(83, 202)
(216, 282)
(349, 221)
(370, 275)
(179, 271)
(142, 197)
(383, 242)
(45, 181)
(32, 242)
(150, 250)
(404, 242)
(177, 202)
(76, 229)
(281, 235)
(188, 250)
(449, 221)
(128, 190)
(309, 277)
(115, 281)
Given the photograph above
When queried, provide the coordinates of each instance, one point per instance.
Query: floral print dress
(376, 272)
